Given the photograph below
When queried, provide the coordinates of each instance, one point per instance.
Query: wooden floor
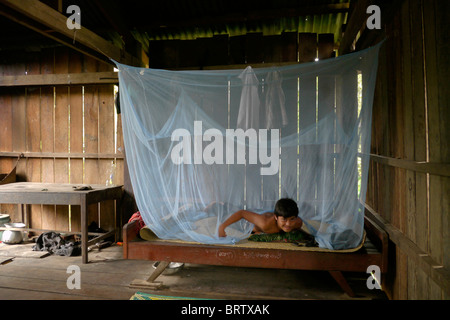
(107, 276)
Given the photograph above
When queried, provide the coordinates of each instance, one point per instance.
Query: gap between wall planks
(51, 120)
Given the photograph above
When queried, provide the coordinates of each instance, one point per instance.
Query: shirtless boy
(284, 218)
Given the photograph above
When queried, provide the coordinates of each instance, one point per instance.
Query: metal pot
(13, 236)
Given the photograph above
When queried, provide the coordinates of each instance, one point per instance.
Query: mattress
(147, 234)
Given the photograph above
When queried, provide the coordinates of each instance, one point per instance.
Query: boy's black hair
(286, 208)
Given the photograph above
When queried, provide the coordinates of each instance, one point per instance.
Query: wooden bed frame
(374, 252)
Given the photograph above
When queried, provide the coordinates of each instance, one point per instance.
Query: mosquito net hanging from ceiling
(201, 145)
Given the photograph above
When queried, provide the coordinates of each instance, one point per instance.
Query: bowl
(13, 236)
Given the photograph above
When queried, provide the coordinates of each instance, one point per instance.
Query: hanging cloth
(275, 110)
(250, 104)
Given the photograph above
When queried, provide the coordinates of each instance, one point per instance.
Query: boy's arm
(258, 220)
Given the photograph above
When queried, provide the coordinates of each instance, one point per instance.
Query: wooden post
(84, 229)
(339, 277)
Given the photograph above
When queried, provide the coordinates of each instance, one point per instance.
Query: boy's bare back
(263, 223)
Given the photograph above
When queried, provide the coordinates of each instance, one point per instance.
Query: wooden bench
(374, 252)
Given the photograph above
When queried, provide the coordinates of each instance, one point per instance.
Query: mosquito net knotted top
(201, 145)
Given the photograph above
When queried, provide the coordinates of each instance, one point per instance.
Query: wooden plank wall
(60, 120)
(410, 122)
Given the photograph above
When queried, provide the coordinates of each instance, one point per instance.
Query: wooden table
(63, 194)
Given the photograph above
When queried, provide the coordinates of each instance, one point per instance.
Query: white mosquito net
(201, 145)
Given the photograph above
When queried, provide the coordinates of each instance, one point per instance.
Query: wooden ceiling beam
(55, 79)
(355, 22)
(111, 11)
(389, 10)
(50, 23)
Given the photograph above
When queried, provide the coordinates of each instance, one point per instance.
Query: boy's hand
(298, 223)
